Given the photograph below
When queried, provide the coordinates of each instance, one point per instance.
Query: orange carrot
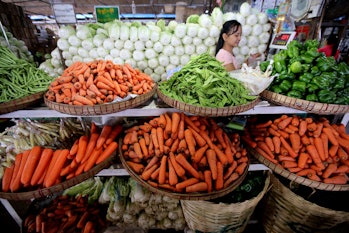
(30, 165)
(191, 143)
(284, 123)
(265, 155)
(44, 161)
(311, 127)
(107, 152)
(190, 123)
(262, 145)
(231, 179)
(302, 127)
(212, 162)
(198, 138)
(333, 150)
(329, 170)
(168, 126)
(198, 187)
(138, 150)
(148, 172)
(83, 140)
(277, 144)
(240, 169)
(172, 175)
(162, 172)
(269, 143)
(199, 154)
(302, 159)
(181, 126)
(249, 141)
(154, 138)
(183, 184)
(16, 182)
(53, 174)
(287, 146)
(230, 170)
(175, 118)
(160, 138)
(342, 154)
(295, 140)
(144, 148)
(219, 181)
(91, 161)
(82, 100)
(187, 166)
(263, 125)
(90, 146)
(320, 148)
(7, 177)
(17, 165)
(315, 156)
(104, 135)
(331, 137)
(338, 179)
(177, 167)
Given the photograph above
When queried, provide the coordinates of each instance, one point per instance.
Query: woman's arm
(229, 67)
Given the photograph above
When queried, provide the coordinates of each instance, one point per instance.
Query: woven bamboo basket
(100, 109)
(298, 179)
(44, 192)
(304, 105)
(206, 111)
(177, 195)
(286, 212)
(207, 216)
(20, 103)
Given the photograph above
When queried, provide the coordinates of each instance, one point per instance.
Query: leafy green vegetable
(203, 81)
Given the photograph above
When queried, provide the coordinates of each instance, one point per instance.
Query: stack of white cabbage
(156, 48)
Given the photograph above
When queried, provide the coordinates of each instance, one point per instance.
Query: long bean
(20, 78)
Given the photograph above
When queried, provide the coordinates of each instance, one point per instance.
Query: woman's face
(233, 38)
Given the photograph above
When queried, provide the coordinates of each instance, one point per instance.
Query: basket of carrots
(288, 207)
(99, 87)
(304, 105)
(42, 171)
(184, 157)
(309, 151)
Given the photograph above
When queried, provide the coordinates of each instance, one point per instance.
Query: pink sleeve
(225, 57)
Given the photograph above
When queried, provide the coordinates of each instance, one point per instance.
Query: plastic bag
(253, 79)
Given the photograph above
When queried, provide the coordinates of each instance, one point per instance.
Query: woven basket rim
(20, 103)
(44, 192)
(206, 111)
(298, 179)
(100, 109)
(304, 105)
(180, 196)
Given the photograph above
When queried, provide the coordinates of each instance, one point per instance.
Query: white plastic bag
(253, 79)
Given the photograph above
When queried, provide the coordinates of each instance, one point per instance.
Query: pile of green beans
(20, 78)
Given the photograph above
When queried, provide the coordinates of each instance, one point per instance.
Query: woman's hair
(229, 27)
(333, 40)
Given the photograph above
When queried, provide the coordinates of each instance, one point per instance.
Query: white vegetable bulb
(229, 16)
(266, 27)
(149, 44)
(65, 31)
(165, 38)
(192, 29)
(175, 41)
(184, 59)
(66, 55)
(180, 30)
(187, 40)
(63, 44)
(251, 19)
(156, 78)
(88, 44)
(201, 49)
(158, 47)
(74, 41)
(253, 50)
(114, 52)
(159, 70)
(262, 18)
(93, 53)
(264, 37)
(129, 45)
(77, 58)
(108, 57)
(133, 34)
(118, 60)
(73, 50)
(197, 41)
(131, 61)
(168, 50)
(252, 41)
(170, 67)
(83, 52)
(68, 62)
(98, 40)
(108, 44)
(125, 54)
(142, 64)
(153, 63)
(240, 18)
(189, 49)
(257, 29)
(217, 16)
(138, 55)
(203, 33)
(87, 59)
(143, 33)
(174, 60)
(114, 31)
(155, 36)
(244, 50)
(163, 60)
(179, 50)
(102, 52)
(139, 45)
(240, 59)
(214, 31)
(236, 51)
(243, 41)
(163, 77)
(245, 9)
(150, 53)
(124, 32)
(205, 21)
(209, 41)
(119, 44)
(246, 29)
(262, 48)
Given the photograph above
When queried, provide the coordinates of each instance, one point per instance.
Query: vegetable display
(184, 154)
(305, 73)
(203, 81)
(66, 214)
(27, 133)
(156, 48)
(44, 167)
(315, 149)
(98, 82)
(19, 78)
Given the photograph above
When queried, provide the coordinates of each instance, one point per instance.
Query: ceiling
(44, 7)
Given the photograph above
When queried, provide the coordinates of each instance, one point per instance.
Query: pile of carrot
(44, 167)
(309, 147)
(66, 214)
(98, 82)
(184, 154)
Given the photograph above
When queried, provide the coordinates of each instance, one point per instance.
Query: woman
(331, 47)
(229, 38)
